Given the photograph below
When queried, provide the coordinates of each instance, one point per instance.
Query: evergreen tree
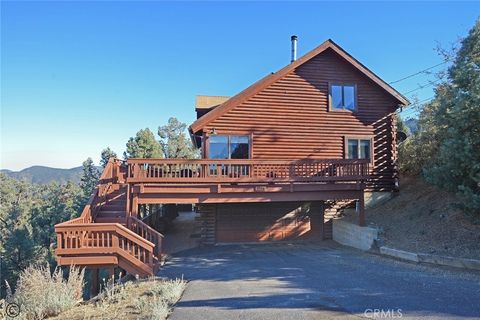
(106, 154)
(28, 213)
(174, 140)
(89, 178)
(143, 145)
(445, 149)
(401, 126)
(456, 164)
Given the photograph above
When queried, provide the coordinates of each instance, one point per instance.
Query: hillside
(42, 175)
(423, 218)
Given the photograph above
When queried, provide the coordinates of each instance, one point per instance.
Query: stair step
(112, 213)
(109, 207)
(117, 201)
(109, 220)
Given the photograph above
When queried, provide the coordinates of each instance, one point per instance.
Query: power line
(410, 109)
(431, 83)
(421, 71)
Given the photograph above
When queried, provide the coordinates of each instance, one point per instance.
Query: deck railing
(218, 171)
(90, 239)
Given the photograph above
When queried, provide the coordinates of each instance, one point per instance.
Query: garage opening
(277, 221)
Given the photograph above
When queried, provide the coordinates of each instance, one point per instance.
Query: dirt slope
(422, 218)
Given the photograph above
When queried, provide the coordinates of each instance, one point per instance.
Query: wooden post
(361, 209)
(205, 145)
(95, 287)
(135, 205)
(128, 209)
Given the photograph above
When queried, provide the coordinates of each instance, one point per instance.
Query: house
(277, 158)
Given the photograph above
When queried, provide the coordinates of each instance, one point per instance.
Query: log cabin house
(276, 159)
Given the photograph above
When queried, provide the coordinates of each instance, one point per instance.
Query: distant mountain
(42, 175)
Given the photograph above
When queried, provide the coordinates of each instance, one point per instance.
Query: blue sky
(79, 76)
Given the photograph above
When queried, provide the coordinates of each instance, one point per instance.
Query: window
(239, 147)
(218, 147)
(229, 147)
(343, 97)
(358, 148)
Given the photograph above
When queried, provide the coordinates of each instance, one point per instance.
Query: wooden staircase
(105, 235)
(114, 209)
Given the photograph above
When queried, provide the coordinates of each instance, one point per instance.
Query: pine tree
(174, 141)
(456, 164)
(446, 147)
(106, 154)
(143, 145)
(89, 178)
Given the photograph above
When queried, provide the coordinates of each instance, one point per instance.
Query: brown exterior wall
(290, 119)
(250, 222)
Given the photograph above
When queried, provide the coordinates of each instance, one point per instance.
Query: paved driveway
(315, 281)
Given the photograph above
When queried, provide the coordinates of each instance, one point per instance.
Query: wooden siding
(290, 120)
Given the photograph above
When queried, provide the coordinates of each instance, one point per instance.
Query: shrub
(445, 149)
(160, 296)
(41, 293)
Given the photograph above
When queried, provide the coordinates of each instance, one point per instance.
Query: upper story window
(358, 148)
(228, 147)
(343, 97)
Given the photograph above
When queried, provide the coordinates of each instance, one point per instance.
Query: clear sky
(79, 76)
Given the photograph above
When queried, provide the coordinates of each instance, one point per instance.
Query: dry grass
(150, 299)
(422, 218)
(41, 294)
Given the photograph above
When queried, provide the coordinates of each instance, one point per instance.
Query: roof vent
(294, 48)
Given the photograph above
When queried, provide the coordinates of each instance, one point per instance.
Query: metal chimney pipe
(294, 48)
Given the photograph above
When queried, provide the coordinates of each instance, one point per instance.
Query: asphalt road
(316, 281)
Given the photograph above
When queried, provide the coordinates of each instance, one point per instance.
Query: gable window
(228, 147)
(343, 97)
(358, 148)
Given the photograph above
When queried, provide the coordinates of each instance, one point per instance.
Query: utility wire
(410, 109)
(423, 86)
(421, 71)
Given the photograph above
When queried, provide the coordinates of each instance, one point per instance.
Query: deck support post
(135, 205)
(361, 209)
(127, 205)
(94, 285)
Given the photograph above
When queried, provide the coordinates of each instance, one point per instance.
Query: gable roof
(271, 78)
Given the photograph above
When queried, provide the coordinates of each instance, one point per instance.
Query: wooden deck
(108, 232)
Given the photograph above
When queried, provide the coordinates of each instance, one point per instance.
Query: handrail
(98, 196)
(145, 231)
(240, 161)
(245, 170)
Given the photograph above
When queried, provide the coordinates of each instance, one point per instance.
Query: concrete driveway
(316, 281)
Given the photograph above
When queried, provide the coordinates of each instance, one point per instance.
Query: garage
(253, 222)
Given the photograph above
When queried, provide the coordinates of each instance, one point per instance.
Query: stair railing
(146, 232)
